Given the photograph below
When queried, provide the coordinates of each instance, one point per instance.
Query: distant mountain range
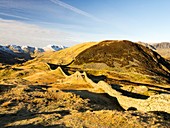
(162, 45)
(162, 48)
(11, 54)
(30, 49)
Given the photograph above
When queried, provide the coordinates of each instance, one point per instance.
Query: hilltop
(126, 55)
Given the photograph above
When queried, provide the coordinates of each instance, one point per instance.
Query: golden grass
(6, 104)
(33, 106)
(66, 55)
(69, 101)
(102, 119)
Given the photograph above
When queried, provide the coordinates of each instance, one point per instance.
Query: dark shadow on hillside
(164, 115)
(40, 88)
(4, 88)
(161, 118)
(14, 58)
(38, 126)
(160, 91)
(161, 60)
(129, 94)
(17, 69)
(128, 82)
(96, 79)
(61, 112)
(98, 101)
(25, 114)
(55, 66)
(167, 75)
(12, 117)
(46, 86)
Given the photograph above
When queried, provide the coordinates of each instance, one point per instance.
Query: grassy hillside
(109, 84)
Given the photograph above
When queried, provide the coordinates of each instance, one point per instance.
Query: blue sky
(68, 22)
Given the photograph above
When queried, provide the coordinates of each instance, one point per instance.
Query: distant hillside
(146, 45)
(9, 55)
(163, 49)
(12, 54)
(120, 59)
(162, 45)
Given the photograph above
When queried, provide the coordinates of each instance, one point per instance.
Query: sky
(69, 22)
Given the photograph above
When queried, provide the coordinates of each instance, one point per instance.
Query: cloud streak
(74, 9)
(14, 16)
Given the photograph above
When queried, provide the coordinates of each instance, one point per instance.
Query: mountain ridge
(12, 54)
(162, 45)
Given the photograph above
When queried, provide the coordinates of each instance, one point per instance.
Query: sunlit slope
(119, 59)
(67, 55)
(116, 59)
(37, 69)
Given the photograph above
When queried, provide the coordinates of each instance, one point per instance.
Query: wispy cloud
(74, 9)
(27, 34)
(14, 16)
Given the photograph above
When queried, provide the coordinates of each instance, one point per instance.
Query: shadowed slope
(13, 58)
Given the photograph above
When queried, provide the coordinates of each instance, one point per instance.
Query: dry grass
(46, 98)
(6, 104)
(67, 55)
(102, 119)
(35, 106)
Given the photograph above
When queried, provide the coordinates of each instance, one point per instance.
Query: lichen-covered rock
(159, 103)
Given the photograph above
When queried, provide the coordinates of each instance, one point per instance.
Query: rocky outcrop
(76, 78)
(154, 103)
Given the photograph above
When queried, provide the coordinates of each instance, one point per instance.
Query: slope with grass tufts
(124, 57)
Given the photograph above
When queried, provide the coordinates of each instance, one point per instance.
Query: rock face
(76, 78)
(159, 103)
(154, 103)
